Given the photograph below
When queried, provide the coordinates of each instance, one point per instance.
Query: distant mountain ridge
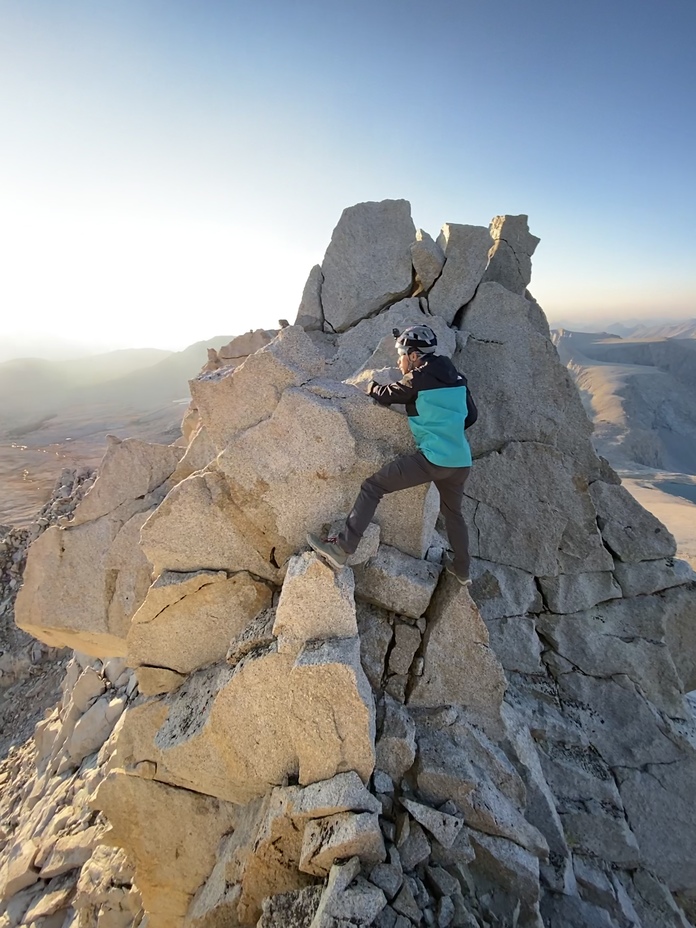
(34, 389)
(640, 393)
(685, 329)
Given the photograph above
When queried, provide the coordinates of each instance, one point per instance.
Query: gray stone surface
(315, 601)
(407, 640)
(396, 745)
(375, 637)
(459, 667)
(428, 259)
(510, 261)
(620, 637)
(500, 591)
(516, 643)
(631, 532)
(652, 576)
(397, 582)
(664, 829)
(345, 792)
(527, 507)
(442, 826)
(506, 865)
(680, 632)
(231, 400)
(340, 836)
(540, 809)
(388, 877)
(443, 771)
(498, 329)
(466, 255)
(310, 314)
(367, 265)
(414, 847)
(572, 592)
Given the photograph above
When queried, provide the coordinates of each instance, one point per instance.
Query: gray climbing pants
(412, 470)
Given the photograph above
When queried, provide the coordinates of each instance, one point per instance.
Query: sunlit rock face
(286, 745)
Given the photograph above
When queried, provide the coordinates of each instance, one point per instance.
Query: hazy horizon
(166, 165)
(26, 347)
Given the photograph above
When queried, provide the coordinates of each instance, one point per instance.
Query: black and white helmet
(416, 338)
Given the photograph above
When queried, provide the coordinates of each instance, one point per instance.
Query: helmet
(415, 338)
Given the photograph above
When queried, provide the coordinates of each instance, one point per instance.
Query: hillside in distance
(57, 414)
(640, 393)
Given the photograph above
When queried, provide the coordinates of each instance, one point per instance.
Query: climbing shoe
(464, 579)
(328, 550)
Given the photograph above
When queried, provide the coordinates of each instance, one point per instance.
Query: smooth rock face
(129, 469)
(315, 601)
(198, 527)
(652, 576)
(680, 632)
(368, 262)
(302, 469)
(510, 258)
(196, 630)
(310, 314)
(232, 400)
(396, 745)
(631, 532)
(285, 707)
(573, 592)
(176, 851)
(248, 343)
(466, 255)
(154, 681)
(428, 259)
(497, 329)
(93, 611)
(375, 637)
(459, 667)
(620, 637)
(526, 508)
(516, 643)
(397, 582)
(500, 591)
(200, 451)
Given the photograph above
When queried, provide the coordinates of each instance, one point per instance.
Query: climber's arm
(402, 391)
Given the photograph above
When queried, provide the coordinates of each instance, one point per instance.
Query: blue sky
(171, 170)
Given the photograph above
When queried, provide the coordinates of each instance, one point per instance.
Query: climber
(439, 407)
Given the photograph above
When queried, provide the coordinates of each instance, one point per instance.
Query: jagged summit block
(233, 399)
(510, 262)
(367, 265)
(428, 259)
(466, 255)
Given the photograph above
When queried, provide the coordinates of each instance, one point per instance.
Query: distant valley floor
(31, 462)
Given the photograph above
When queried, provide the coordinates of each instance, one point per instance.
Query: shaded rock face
(377, 745)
